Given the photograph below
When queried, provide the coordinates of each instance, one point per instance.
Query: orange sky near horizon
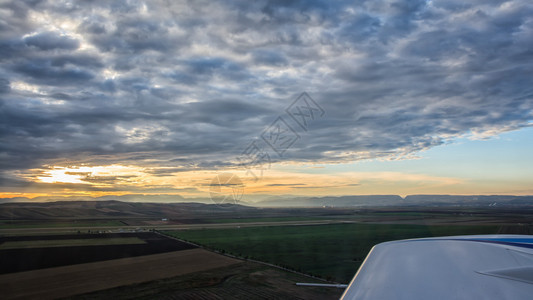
(282, 179)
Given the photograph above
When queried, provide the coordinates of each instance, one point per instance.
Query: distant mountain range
(395, 200)
(180, 207)
(116, 209)
(194, 212)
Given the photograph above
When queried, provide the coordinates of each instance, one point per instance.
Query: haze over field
(153, 99)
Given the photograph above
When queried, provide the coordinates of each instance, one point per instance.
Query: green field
(271, 219)
(57, 224)
(70, 243)
(332, 251)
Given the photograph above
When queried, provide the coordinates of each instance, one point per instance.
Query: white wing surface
(461, 267)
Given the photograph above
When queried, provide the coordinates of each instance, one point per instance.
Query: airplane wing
(460, 267)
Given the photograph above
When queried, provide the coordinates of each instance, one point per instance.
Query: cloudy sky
(111, 98)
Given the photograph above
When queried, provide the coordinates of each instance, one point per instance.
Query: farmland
(90, 246)
(16, 256)
(8, 224)
(97, 266)
(331, 251)
(242, 281)
(70, 280)
(70, 243)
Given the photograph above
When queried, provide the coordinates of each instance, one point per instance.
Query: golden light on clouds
(116, 180)
(346, 183)
(60, 176)
(87, 174)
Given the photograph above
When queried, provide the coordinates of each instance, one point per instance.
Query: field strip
(19, 231)
(71, 242)
(125, 229)
(82, 278)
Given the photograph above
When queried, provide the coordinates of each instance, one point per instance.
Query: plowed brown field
(82, 278)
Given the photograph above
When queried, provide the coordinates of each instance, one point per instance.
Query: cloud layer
(188, 85)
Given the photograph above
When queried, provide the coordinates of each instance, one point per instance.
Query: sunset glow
(135, 99)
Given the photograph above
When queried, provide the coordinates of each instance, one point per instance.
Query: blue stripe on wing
(517, 242)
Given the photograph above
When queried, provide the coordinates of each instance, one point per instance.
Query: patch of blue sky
(507, 156)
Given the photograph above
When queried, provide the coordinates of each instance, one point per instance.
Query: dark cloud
(209, 67)
(286, 184)
(50, 41)
(269, 57)
(10, 48)
(42, 71)
(177, 86)
(162, 172)
(132, 35)
(4, 86)
(80, 60)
